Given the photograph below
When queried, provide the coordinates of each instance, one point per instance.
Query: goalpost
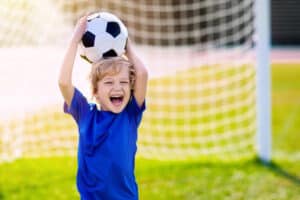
(209, 88)
(263, 81)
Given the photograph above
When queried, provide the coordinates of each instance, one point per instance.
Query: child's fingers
(83, 18)
(82, 21)
(128, 44)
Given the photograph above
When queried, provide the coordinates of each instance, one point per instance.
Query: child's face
(113, 91)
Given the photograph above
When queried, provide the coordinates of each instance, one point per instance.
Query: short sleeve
(135, 110)
(79, 106)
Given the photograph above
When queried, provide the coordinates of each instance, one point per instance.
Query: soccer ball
(105, 36)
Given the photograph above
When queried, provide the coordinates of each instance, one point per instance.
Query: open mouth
(116, 100)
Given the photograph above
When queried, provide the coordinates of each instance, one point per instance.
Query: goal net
(201, 99)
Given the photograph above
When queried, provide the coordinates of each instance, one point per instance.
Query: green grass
(54, 178)
(286, 107)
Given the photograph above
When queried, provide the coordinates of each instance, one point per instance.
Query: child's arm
(140, 85)
(65, 76)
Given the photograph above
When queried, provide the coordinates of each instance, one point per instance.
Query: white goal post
(263, 80)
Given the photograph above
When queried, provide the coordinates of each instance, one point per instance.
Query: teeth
(117, 96)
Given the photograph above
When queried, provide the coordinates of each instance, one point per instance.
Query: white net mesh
(201, 96)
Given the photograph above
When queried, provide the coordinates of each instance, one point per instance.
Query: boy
(107, 137)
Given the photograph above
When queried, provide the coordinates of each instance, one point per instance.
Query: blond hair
(110, 66)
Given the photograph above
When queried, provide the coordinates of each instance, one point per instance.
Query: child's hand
(80, 29)
(128, 48)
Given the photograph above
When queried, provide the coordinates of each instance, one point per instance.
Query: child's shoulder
(133, 107)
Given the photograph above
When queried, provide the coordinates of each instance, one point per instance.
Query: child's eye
(124, 82)
(108, 83)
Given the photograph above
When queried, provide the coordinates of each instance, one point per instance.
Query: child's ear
(96, 97)
(94, 93)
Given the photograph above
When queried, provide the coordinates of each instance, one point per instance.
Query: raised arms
(65, 75)
(141, 79)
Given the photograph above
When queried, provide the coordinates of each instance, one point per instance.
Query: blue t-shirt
(106, 150)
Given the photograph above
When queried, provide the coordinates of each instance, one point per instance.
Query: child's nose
(117, 86)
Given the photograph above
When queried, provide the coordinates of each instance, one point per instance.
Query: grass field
(54, 178)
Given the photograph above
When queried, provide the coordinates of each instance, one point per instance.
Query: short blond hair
(110, 66)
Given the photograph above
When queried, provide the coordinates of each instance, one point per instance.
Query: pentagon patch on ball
(105, 36)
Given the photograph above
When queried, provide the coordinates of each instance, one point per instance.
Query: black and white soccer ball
(105, 36)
